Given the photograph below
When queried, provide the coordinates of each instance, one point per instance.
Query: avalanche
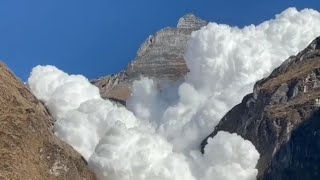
(157, 137)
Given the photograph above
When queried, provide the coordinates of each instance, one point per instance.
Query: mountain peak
(190, 21)
(159, 57)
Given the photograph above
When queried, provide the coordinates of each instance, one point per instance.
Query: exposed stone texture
(28, 148)
(281, 118)
(159, 57)
(190, 21)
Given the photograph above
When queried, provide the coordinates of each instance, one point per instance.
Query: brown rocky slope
(28, 148)
(282, 118)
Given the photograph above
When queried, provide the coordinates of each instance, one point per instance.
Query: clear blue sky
(100, 37)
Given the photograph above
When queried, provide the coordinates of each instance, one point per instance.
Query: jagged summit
(160, 57)
(190, 21)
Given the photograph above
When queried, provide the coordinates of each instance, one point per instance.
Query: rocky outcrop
(281, 118)
(28, 148)
(159, 57)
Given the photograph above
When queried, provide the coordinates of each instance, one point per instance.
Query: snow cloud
(157, 137)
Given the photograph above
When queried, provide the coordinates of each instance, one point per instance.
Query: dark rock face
(281, 118)
(299, 158)
(28, 148)
(160, 57)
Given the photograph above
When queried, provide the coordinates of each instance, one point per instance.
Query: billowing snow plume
(224, 64)
(160, 138)
(119, 146)
(82, 116)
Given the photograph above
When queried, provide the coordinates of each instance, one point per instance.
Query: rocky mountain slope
(28, 148)
(159, 57)
(281, 118)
